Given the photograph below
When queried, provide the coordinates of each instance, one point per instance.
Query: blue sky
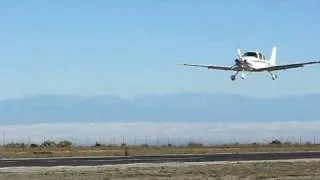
(131, 48)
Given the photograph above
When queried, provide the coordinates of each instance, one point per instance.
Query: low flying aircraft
(253, 61)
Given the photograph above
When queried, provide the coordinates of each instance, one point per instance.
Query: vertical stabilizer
(273, 57)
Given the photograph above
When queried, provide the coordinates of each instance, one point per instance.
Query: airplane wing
(226, 68)
(287, 66)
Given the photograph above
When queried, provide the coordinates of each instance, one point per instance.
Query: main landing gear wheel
(274, 76)
(243, 76)
(233, 77)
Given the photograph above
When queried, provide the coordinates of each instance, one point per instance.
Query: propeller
(238, 59)
(239, 53)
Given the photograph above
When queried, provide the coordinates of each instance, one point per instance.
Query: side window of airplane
(259, 56)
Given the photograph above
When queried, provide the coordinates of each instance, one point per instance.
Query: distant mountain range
(188, 107)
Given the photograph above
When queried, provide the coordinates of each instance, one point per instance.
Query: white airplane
(253, 61)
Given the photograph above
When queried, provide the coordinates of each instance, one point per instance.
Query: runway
(95, 161)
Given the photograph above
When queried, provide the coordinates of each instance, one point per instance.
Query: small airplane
(254, 61)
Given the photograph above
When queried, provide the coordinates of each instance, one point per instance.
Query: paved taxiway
(95, 161)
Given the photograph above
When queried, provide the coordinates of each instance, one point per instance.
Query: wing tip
(182, 64)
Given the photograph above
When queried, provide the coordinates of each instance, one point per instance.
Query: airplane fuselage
(251, 64)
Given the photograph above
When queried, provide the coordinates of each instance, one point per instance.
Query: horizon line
(152, 95)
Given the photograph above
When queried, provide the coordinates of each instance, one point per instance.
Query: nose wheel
(233, 77)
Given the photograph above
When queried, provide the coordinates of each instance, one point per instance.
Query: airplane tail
(273, 57)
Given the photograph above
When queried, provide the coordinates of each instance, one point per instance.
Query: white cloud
(160, 132)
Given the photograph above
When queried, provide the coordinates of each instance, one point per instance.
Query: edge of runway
(141, 165)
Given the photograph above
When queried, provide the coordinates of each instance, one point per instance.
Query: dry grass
(248, 171)
(140, 150)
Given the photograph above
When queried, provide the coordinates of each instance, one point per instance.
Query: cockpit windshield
(254, 54)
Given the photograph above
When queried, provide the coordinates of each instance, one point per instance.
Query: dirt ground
(138, 150)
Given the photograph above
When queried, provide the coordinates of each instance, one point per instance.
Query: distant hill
(188, 107)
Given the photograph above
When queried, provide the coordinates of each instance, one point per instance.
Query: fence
(158, 140)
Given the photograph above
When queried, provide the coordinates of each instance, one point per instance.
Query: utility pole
(4, 139)
(28, 140)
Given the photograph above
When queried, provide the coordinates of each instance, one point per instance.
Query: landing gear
(243, 76)
(273, 76)
(233, 77)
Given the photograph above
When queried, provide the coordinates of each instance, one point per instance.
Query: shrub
(144, 145)
(64, 144)
(15, 145)
(48, 144)
(277, 142)
(34, 145)
(192, 144)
